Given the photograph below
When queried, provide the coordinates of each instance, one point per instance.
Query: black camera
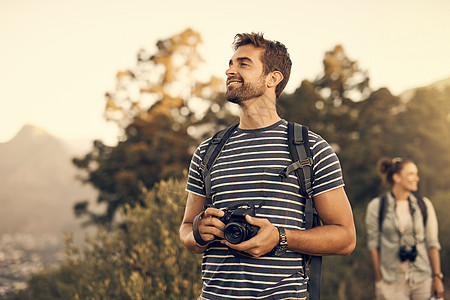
(237, 229)
(405, 254)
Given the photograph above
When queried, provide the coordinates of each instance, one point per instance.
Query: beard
(246, 91)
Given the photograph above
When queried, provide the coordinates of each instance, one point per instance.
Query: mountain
(38, 184)
(440, 85)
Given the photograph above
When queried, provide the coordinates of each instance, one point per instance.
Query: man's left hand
(265, 240)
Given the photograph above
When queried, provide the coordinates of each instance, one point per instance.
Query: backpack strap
(301, 156)
(215, 146)
(382, 213)
(423, 209)
(420, 202)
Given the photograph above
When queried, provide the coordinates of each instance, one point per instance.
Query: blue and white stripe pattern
(247, 171)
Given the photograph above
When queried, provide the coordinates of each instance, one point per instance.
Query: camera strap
(400, 234)
(383, 208)
(197, 236)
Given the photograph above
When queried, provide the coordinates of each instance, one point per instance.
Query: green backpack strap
(215, 146)
(301, 156)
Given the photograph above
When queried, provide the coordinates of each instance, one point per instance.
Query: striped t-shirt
(247, 171)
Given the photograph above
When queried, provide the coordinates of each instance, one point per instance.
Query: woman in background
(402, 232)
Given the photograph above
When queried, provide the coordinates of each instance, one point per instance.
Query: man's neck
(258, 113)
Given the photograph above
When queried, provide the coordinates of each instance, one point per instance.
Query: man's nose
(230, 71)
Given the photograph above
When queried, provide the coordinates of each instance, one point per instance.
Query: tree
(154, 104)
(425, 136)
(342, 78)
(142, 259)
(118, 263)
(362, 126)
(336, 105)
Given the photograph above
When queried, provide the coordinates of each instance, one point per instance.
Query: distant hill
(37, 184)
(440, 85)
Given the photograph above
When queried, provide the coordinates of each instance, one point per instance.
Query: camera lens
(403, 254)
(413, 253)
(235, 233)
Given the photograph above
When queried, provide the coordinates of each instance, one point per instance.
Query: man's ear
(274, 78)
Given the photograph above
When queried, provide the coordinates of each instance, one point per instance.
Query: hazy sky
(58, 57)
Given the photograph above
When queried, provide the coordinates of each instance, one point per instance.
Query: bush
(140, 259)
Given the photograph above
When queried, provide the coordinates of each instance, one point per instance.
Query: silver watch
(282, 244)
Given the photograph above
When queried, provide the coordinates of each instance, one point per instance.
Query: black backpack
(301, 156)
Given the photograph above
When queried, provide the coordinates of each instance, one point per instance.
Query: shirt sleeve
(195, 180)
(432, 227)
(372, 224)
(327, 168)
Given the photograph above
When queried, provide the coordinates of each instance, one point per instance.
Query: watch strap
(282, 244)
(283, 238)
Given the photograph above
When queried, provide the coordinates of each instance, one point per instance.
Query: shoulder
(324, 156)
(204, 145)
(314, 137)
(427, 201)
(374, 204)
(200, 151)
(318, 144)
(428, 204)
(373, 210)
(201, 148)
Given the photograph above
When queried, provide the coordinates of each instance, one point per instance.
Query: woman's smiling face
(408, 177)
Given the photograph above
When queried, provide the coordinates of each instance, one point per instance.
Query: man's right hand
(209, 226)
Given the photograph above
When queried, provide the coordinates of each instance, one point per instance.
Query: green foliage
(150, 153)
(141, 259)
(362, 130)
(342, 78)
(152, 103)
(425, 122)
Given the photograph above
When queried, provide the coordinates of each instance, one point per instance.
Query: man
(247, 172)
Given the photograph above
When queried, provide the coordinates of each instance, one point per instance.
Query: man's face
(245, 75)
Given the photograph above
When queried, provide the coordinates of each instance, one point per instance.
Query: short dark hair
(274, 58)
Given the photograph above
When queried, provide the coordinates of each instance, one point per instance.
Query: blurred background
(104, 102)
